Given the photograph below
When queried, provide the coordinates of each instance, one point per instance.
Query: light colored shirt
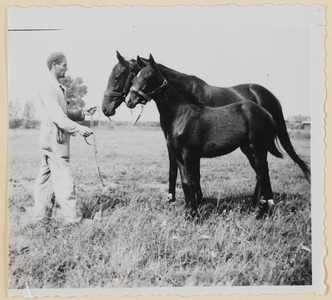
(56, 119)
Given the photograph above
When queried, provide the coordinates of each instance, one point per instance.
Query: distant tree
(28, 115)
(15, 119)
(76, 90)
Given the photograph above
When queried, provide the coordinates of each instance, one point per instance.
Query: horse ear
(152, 62)
(140, 62)
(120, 58)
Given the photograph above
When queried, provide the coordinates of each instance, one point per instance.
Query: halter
(131, 75)
(146, 95)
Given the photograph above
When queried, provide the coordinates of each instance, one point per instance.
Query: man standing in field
(57, 125)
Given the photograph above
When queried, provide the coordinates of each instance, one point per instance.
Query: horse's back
(260, 95)
(220, 96)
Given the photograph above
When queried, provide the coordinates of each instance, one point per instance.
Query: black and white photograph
(166, 150)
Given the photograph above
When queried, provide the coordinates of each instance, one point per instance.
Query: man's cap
(54, 57)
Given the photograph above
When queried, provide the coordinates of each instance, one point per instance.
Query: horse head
(146, 83)
(118, 84)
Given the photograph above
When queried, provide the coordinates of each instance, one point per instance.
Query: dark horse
(120, 80)
(193, 131)
(118, 84)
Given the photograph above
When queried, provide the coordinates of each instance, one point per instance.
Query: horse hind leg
(265, 199)
(257, 194)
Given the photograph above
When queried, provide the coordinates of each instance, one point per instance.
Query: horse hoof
(259, 213)
(170, 198)
(265, 209)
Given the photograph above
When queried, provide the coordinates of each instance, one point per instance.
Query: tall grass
(138, 239)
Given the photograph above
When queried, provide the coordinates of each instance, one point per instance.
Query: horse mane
(134, 64)
(169, 74)
(182, 76)
(190, 97)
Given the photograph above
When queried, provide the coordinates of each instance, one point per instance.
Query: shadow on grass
(243, 203)
(112, 197)
(212, 205)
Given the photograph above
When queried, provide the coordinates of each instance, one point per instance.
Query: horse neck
(169, 101)
(181, 81)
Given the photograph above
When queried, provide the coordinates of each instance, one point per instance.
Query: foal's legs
(184, 180)
(263, 178)
(247, 151)
(199, 194)
(173, 172)
(190, 182)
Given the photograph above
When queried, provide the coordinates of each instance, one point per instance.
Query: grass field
(140, 240)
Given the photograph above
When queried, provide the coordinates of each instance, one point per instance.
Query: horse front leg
(189, 191)
(173, 173)
(199, 195)
(198, 190)
(190, 184)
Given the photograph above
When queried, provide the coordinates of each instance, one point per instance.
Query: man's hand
(84, 131)
(90, 111)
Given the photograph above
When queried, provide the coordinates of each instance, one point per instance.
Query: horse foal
(194, 131)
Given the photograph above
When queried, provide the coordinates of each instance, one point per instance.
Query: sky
(279, 47)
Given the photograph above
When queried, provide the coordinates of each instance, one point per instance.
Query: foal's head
(145, 84)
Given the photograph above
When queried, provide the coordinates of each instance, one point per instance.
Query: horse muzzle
(129, 102)
(108, 112)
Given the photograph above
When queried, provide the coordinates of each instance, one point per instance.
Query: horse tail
(273, 148)
(286, 143)
(275, 109)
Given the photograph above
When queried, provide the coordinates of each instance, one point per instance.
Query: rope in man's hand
(90, 131)
(90, 112)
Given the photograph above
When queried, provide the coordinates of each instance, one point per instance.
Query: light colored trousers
(55, 179)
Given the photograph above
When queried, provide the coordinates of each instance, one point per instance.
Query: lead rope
(131, 125)
(95, 139)
(95, 146)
